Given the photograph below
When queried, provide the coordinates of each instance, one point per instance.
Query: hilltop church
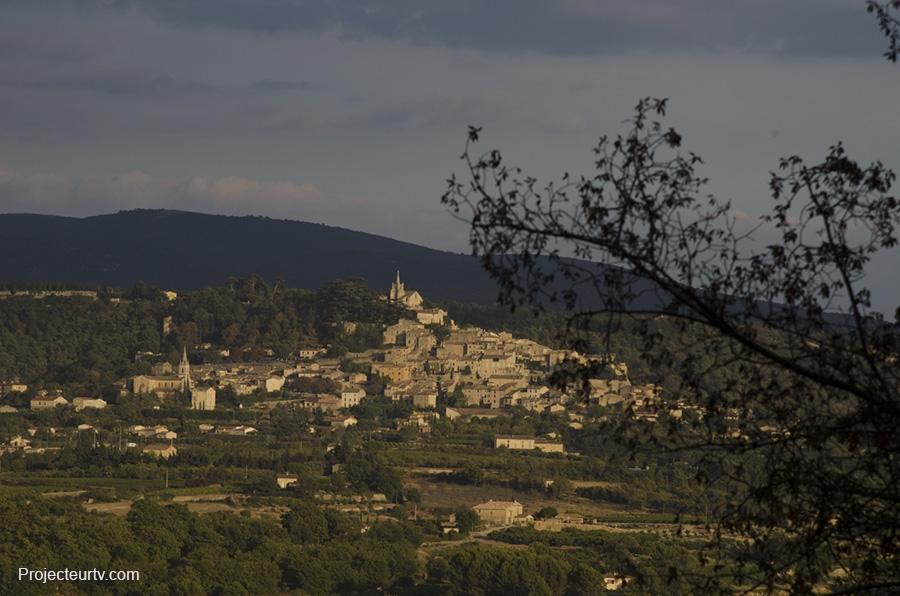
(410, 299)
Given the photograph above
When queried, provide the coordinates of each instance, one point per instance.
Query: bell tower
(184, 371)
(397, 289)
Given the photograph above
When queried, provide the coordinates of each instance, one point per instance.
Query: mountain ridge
(188, 250)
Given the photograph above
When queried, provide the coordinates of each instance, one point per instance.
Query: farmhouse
(47, 402)
(82, 403)
(528, 443)
(498, 512)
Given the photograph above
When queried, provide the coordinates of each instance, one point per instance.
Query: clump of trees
(546, 513)
(368, 470)
(312, 550)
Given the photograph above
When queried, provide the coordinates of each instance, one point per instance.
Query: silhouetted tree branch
(889, 23)
(778, 346)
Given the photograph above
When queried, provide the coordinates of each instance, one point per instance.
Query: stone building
(12, 386)
(431, 316)
(162, 382)
(47, 402)
(498, 512)
(203, 398)
(514, 442)
(525, 443)
(82, 403)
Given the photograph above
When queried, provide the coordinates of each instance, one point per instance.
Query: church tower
(397, 290)
(184, 371)
(407, 298)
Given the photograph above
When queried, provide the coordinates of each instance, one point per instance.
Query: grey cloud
(279, 85)
(398, 117)
(456, 112)
(808, 27)
(57, 193)
(126, 82)
(429, 113)
(27, 47)
(139, 83)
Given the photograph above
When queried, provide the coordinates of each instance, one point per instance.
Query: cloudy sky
(353, 112)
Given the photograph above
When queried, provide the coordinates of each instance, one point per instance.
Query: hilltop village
(427, 362)
(482, 374)
(404, 414)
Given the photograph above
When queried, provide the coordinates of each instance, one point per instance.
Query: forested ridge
(196, 250)
(88, 344)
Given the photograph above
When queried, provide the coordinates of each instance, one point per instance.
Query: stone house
(351, 395)
(394, 372)
(431, 316)
(12, 386)
(524, 443)
(203, 398)
(82, 403)
(498, 512)
(514, 442)
(342, 421)
(47, 402)
(424, 400)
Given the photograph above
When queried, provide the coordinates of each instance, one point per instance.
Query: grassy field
(425, 457)
(124, 506)
(445, 457)
(18, 483)
(648, 517)
(446, 495)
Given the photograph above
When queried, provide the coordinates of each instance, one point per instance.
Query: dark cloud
(807, 27)
(138, 83)
(278, 85)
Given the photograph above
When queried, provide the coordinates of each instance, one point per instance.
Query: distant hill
(183, 250)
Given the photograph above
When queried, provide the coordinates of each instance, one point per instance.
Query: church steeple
(400, 295)
(397, 289)
(184, 371)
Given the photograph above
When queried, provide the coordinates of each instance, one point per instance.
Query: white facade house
(203, 398)
(82, 403)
